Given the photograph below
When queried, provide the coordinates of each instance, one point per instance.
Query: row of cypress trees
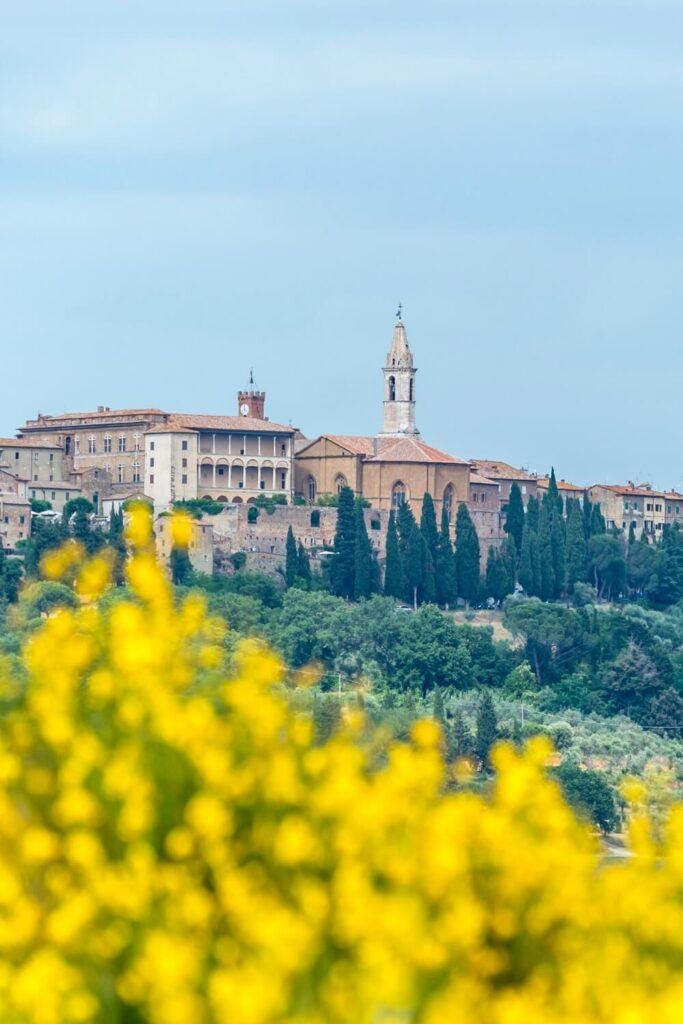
(552, 540)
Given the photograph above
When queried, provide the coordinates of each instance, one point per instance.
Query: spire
(399, 354)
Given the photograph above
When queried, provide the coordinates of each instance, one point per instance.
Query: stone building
(108, 440)
(172, 456)
(647, 509)
(199, 549)
(227, 458)
(15, 520)
(396, 465)
(506, 475)
(567, 490)
(485, 511)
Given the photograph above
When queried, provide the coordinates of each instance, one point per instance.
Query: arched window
(398, 494)
(122, 442)
(392, 389)
(448, 501)
(136, 472)
(136, 442)
(107, 443)
(340, 481)
(91, 444)
(412, 389)
(119, 472)
(312, 488)
(77, 445)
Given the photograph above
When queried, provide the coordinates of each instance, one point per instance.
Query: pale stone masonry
(171, 456)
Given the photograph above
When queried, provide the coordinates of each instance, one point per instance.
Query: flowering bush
(174, 849)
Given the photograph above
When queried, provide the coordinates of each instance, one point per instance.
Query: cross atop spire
(399, 311)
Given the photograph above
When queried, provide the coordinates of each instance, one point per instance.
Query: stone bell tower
(399, 386)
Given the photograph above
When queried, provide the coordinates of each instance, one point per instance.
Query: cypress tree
(509, 555)
(428, 526)
(326, 717)
(303, 565)
(514, 518)
(576, 547)
(181, 566)
(446, 578)
(558, 546)
(497, 579)
(587, 515)
(427, 591)
(394, 578)
(526, 565)
(291, 560)
(462, 740)
(413, 564)
(405, 524)
(552, 497)
(532, 513)
(343, 567)
(438, 712)
(597, 521)
(467, 555)
(632, 533)
(487, 729)
(545, 555)
(362, 585)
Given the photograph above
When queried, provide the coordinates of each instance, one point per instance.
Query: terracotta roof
(23, 442)
(501, 470)
(635, 492)
(98, 413)
(562, 485)
(170, 428)
(409, 449)
(357, 445)
(476, 478)
(13, 499)
(238, 423)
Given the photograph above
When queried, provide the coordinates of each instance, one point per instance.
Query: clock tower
(251, 402)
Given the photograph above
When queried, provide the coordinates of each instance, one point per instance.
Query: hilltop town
(234, 464)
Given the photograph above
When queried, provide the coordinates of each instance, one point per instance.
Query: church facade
(394, 466)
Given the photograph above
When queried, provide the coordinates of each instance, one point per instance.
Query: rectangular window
(221, 471)
(22, 519)
(626, 505)
(151, 446)
(283, 480)
(91, 446)
(184, 478)
(54, 496)
(184, 463)
(658, 508)
(122, 442)
(151, 462)
(262, 484)
(107, 445)
(184, 446)
(668, 510)
(66, 496)
(33, 494)
(52, 458)
(16, 455)
(151, 478)
(635, 506)
(658, 526)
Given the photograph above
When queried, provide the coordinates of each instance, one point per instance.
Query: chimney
(100, 408)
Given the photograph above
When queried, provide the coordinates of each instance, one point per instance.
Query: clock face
(244, 409)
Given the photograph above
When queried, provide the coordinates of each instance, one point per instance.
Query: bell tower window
(392, 389)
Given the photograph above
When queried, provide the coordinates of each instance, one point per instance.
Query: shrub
(174, 848)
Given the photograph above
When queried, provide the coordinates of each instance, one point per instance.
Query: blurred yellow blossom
(175, 850)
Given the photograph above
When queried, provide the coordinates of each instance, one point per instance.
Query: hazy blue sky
(190, 187)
